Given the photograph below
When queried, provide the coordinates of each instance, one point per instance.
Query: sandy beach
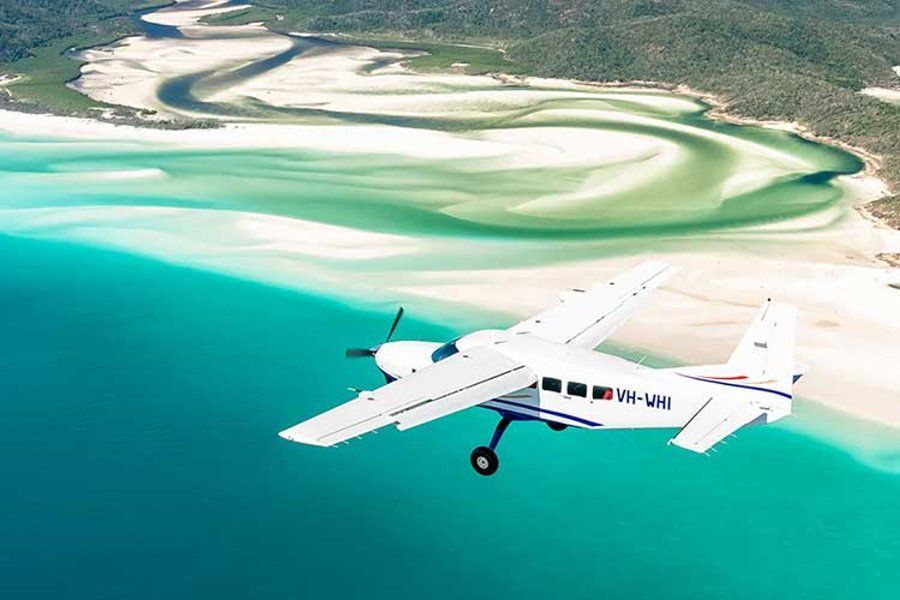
(130, 71)
(886, 94)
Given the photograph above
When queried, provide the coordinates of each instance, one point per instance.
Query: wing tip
(659, 271)
(685, 446)
(667, 269)
(293, 434)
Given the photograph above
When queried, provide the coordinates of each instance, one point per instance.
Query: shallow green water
(462, 209)
(449, 197)
(140, 460)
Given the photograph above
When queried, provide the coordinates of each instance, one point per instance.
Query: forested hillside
(29, 24)
(35, 34)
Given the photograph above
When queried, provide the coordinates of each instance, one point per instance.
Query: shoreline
(718, 111)
(872, 162)
(871, 442)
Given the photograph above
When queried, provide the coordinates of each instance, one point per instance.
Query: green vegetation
(253, 14)
(43, 77)
(436, 56)
(36, 36)
(29, 24)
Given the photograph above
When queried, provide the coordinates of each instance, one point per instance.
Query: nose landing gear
(484, 460)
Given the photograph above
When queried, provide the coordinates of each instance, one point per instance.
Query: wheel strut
(484, 460)
(499, 430)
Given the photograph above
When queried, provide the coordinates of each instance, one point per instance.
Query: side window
(551, 385)
(602, 393)
(576, 389)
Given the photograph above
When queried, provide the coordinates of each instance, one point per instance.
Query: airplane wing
(716, 420)
(453, 384)
(587, 317)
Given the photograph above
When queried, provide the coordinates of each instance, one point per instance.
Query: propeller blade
(359, 352)
(394, 325)
(363, 352)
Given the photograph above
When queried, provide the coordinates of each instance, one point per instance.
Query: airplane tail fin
(764, 358)
(765, 354)
(763, 361)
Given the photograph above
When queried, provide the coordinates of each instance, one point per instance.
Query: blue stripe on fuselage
(538, 409)
(738, 385)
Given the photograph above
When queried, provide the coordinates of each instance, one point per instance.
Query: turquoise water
(139, 459)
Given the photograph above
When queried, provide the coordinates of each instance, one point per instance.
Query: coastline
(872, 162)
(718, 111)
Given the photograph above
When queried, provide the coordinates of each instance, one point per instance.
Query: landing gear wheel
(556, 426)
(484, 460)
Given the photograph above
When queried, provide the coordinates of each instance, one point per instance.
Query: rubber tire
(484, 461)
(557, 426)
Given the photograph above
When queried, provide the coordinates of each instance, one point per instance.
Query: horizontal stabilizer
(716, 420)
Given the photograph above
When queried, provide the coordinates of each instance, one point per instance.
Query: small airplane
(546, 369)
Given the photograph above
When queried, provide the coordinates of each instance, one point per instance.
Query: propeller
(394, 326)
(359, 352)
(363, 352)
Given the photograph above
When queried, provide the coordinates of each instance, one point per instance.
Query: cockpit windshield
(445, 351)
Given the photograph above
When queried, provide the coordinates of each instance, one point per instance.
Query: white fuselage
(580, 387)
